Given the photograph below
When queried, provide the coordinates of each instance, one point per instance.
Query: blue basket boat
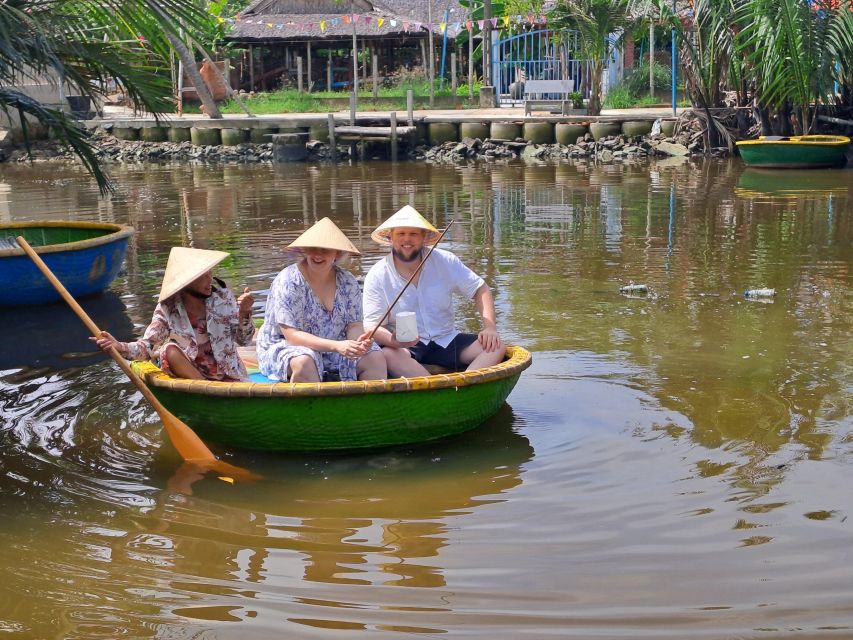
(85, 256)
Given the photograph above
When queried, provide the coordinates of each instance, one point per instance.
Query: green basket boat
(795, 152)
(337, 415)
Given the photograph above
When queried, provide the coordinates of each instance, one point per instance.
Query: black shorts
(447, 357)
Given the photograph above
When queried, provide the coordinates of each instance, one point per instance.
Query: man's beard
(415, 256)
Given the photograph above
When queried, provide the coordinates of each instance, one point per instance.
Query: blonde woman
(313, 327)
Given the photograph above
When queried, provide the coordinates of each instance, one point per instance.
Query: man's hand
(490, 340)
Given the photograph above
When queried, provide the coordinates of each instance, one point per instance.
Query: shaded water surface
(672, 465)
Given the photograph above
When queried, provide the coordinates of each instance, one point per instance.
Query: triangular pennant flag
(442, 27)
(355, 17)
(335, 22)
(346, 19)
(380, 22)
(457, 26)
(405, 26)
(506, 21)
(543, 19)
(393, 22)
(269, 24)
(367, 19)
(322, 26)
(418, 26)
(481, 24)
(494, 22)
(468, 25)
(531, 19)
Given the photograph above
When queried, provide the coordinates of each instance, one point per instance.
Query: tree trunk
(595, 76)
(188, 62)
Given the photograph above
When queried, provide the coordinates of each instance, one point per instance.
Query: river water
(675, 465)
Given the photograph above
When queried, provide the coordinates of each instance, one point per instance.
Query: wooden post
(394, 136)
(471, 64)
(308, 73)
(329, 72)
(263, 77)
(299, 73)
(410, 107)
(651, 57)
(352, 109)
(453, 73)
(333, 146)
(365, 52)
(424, 57)
(375, 64)
(251, 67)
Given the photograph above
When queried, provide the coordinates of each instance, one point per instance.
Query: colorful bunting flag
(380, 22)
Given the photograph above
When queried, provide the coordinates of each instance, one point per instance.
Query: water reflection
(53, 338)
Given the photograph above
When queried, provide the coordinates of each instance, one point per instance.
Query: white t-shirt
(431, 299)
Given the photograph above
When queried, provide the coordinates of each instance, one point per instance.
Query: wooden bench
(541, 88)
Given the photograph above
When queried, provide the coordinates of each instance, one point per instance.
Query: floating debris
(634, 288)
(759, 293)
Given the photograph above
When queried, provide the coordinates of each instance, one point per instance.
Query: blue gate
(537, 55)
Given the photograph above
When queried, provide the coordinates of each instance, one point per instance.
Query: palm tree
(795, 50)
(86, 44)
(600, 25)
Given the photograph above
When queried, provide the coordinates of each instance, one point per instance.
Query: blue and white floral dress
(292, 302)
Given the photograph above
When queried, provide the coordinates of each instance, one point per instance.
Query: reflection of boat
(794, 183)
(85, 256)
(53, 336)
(795, 152)
(337, 415)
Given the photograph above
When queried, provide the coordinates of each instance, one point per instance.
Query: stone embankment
(613, 148)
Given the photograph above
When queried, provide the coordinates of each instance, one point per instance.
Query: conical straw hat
(408, 216)
(184, 266)
(324, 234)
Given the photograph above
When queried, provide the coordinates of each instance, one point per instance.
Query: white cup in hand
(407, 326)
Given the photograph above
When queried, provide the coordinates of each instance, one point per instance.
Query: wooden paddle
(188, 444)
(406, 286)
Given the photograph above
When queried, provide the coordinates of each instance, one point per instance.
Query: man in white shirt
(430, 296)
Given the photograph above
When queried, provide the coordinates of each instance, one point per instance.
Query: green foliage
(599, 24)
(90, 44)
(637, 80)
(619, 97)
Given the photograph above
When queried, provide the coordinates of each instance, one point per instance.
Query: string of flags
(451, 28)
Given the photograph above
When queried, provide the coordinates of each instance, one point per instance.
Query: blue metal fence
(536, 55)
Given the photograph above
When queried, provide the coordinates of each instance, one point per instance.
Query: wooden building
(280, 37)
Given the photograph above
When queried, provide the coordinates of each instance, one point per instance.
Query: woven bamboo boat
(795, 152)
(85, 256)
(337, 415)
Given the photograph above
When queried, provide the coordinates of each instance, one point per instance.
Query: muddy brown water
(676, 465)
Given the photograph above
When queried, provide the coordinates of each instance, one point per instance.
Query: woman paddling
(197, 323)
(312, 327)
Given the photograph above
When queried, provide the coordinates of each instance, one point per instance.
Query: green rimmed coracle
(795, 152)
(337, 415)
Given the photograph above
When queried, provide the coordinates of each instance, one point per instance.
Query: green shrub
(637, 81)
(619, 98)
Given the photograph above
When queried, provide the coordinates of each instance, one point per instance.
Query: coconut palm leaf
(87, 45)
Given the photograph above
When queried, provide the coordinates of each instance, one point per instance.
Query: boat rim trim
(518, 360)
(118, 231)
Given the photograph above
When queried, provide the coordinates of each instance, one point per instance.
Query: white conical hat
(408, 216)
(324, 234)
(184, 266)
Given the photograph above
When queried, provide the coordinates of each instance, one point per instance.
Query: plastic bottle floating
(759, 293)
(634, 289)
